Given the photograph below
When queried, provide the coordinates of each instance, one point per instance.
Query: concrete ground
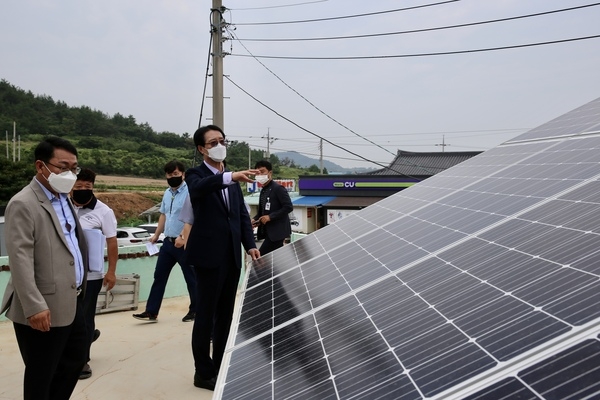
(131, 359)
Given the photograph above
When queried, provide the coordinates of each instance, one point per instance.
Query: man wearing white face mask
(48, 263)
(214, 247)
(274, 207)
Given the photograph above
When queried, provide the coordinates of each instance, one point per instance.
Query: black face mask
(83, 196)
(175, 181)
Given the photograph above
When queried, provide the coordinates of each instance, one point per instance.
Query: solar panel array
(481, 282)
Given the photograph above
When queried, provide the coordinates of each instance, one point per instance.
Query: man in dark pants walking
(274, 206)
(221, 226)
(172, 250)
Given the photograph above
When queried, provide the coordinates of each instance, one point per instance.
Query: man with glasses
(48, 264)
(221, 226)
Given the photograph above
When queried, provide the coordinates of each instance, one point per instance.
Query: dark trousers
(89, 310)
(268, 246)
(54, 359)
(217, 288)
(167, 257)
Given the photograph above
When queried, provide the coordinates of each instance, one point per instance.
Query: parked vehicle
(129, 236)
(151, 228)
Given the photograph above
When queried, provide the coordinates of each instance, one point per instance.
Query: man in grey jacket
(48, 262)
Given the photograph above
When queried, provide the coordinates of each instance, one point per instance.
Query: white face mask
(62, 183)
(262, 179)
(217, 153)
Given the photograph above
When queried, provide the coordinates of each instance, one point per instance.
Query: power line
(477, 132)
(348, 16)
(316, 135)
(443, 53)
(420, 30)
(318, 155)
(281, 6)
(309, 102)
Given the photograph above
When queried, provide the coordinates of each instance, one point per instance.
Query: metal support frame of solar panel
(470, 284)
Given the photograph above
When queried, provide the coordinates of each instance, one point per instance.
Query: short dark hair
(45, 150)
(172, 165)
(86, 175)
(263, 163)
(199, 134)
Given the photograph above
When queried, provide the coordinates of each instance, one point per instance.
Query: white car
(130, 236)
(151, 228)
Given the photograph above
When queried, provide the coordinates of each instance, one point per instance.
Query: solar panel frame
(449, 307)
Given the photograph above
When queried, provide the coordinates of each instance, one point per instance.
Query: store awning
(312, 201)
(353, 201)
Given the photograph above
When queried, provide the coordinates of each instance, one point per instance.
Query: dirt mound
(127, 204)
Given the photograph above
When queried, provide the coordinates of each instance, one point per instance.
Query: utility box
(123, 296)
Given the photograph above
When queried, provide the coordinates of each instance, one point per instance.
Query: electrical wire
(281, 6)
(348, 16)
(195, 156)
(316, 135)
(442, 53)
(311, 103)
(423, 29)
(318, 109)
(315, 154)
(205, 79)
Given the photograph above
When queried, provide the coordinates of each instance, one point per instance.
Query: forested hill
(41, 114)
(109, 145)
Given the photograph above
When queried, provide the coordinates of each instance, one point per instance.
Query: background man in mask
(48, 264)
(274, 207)
(100, 226)
(172, 250)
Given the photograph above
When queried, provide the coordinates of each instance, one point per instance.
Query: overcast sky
(148, 58)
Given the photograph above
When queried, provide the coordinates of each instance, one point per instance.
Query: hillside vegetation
(110, 145)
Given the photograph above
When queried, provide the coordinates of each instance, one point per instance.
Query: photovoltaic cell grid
(584, 119)
(481, 282)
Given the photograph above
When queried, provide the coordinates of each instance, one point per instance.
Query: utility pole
(14, 140)
(217, 27)
(321, 155)
(270, 141)
(443, 144)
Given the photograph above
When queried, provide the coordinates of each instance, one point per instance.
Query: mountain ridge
(303, 161)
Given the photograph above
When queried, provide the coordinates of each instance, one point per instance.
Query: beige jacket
(41, 265)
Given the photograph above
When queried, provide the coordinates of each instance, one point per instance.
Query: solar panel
(481, 282)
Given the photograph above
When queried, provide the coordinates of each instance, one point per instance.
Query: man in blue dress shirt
(172, 250)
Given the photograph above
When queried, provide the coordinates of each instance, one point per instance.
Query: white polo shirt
(97, 215)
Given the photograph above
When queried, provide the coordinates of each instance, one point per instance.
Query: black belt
(170, 239)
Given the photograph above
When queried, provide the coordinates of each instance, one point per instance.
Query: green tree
(14, 177)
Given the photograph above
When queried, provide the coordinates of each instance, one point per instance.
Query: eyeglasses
(213, 143)
(75, 170)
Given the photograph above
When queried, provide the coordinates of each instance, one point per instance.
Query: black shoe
(146, 316)
(205, 383)
(86, 372)
(189, 316)
(96, 335)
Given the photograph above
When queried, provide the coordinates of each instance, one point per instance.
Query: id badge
(267, 206)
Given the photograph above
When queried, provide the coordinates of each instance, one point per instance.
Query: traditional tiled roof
(424, 164)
